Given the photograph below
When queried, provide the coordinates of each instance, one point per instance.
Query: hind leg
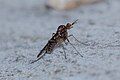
(64, 51)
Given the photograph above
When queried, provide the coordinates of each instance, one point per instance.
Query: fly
(58, 38)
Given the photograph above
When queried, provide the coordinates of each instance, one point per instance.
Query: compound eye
(68, 24)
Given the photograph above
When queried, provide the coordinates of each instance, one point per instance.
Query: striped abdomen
(49, 47)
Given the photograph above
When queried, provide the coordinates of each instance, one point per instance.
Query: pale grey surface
(26, 26)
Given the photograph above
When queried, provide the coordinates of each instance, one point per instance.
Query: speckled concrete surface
(26, 26)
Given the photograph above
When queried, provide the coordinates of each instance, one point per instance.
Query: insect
(57, 39)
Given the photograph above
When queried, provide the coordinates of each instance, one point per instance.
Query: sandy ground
(26, 26)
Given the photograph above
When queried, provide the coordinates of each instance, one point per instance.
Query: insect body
(59, 37)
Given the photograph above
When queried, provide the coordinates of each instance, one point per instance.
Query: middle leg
(64, 51)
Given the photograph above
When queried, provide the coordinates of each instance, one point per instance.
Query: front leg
(77, 40)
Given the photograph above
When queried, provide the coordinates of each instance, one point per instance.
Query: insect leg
(64, 52)
(77, 40)
(74, 48)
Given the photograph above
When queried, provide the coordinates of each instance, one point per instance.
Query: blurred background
(34, 17)
(27, 25)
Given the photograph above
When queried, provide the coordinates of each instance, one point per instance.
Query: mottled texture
(26, 26)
